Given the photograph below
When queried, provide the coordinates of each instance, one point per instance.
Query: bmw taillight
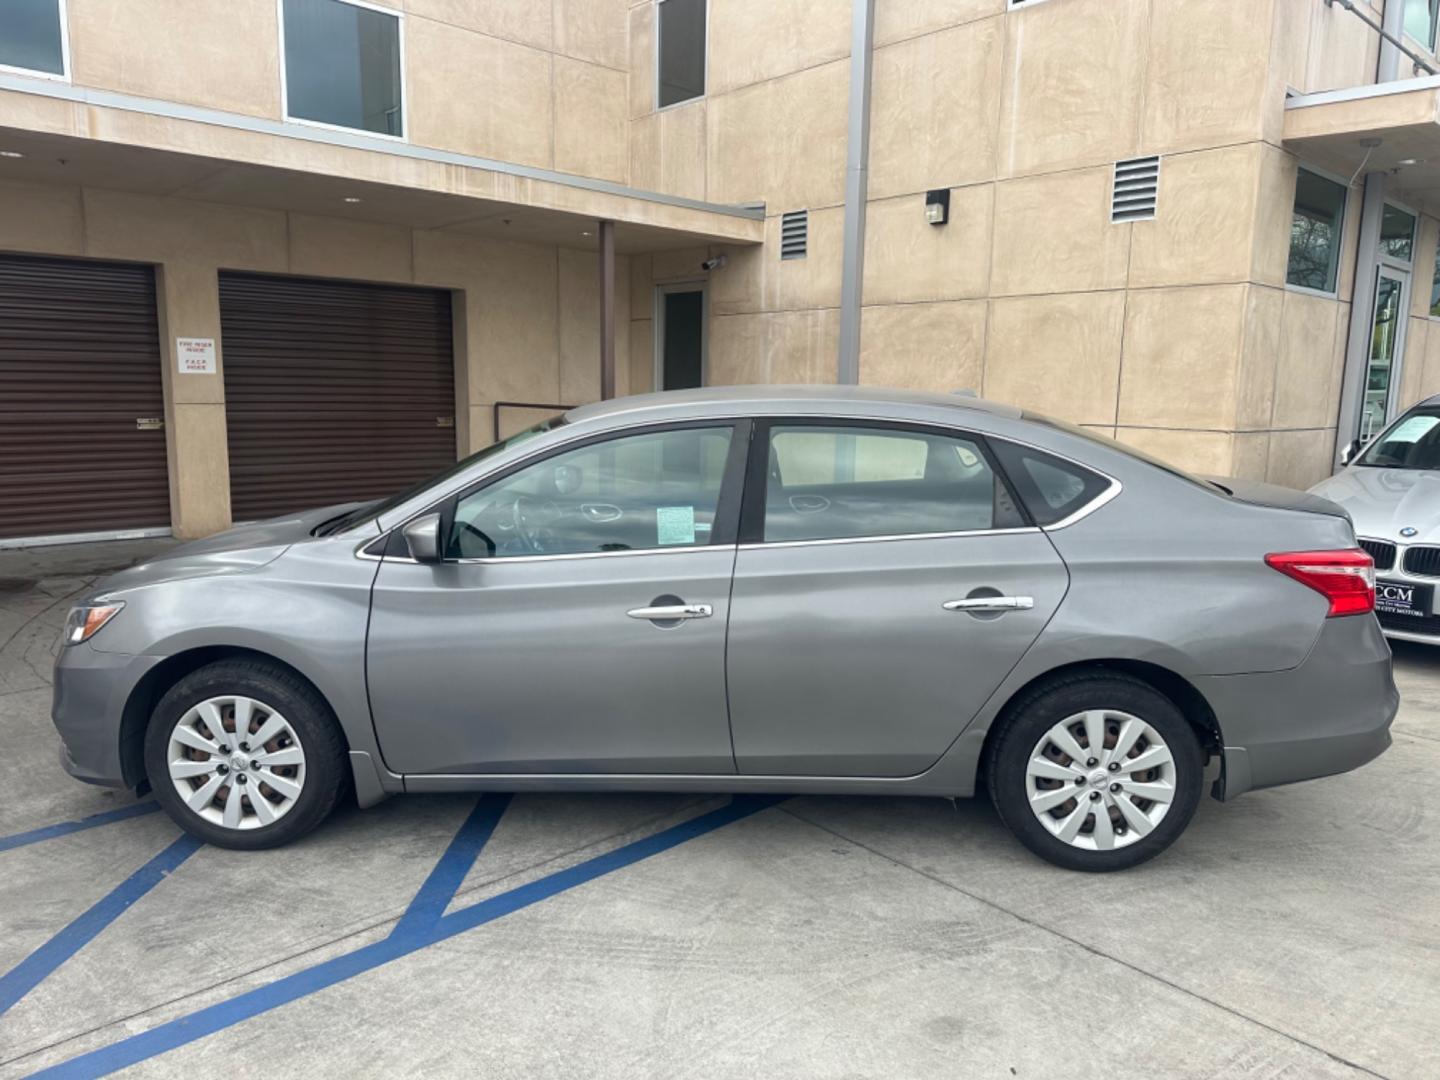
(1346, 578)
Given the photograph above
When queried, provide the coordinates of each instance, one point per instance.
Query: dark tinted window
(1050, 487)
(1315, 232)
(682, 50)
(342, 65)
(828, 483)
(30, 36)
(1412, 443)
(1397, 232)
(655, 490)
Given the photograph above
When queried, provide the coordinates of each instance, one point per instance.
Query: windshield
(1413, 442)
(379, 509)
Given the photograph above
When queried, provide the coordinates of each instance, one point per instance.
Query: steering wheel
(527, 516)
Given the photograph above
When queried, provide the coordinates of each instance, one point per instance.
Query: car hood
(235, 551)
(1384, 501)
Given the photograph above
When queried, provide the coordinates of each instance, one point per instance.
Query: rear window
(1050, 487)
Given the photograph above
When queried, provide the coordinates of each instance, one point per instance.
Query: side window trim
(757, 477)
(727, 508)
(1025, 491)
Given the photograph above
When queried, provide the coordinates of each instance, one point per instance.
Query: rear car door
(885, 584)
(577, 622)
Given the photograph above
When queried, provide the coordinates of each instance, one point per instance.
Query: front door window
(660, 489)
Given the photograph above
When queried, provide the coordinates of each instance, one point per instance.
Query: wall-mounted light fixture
(937, 206)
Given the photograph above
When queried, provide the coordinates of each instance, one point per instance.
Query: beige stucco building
(503, 153)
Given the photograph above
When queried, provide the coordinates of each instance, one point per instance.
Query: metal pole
(607, 310)
(857, 161)
(1358, 341)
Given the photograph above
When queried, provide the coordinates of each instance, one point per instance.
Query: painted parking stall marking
(65, 828)
(420, 932)
(30, 972)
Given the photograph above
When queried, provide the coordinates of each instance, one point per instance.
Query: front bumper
(1330, 714)
(87, 708)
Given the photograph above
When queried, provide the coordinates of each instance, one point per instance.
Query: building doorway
(1390, 307)
(680, 360)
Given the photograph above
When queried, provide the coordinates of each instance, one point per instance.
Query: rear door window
(838, 482)
(1051, 488)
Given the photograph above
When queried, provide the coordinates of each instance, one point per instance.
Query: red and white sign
(195, 355)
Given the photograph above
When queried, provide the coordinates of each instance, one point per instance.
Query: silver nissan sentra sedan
(770, 589)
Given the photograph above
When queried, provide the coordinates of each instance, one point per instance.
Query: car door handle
(672, 611)
(990, 603)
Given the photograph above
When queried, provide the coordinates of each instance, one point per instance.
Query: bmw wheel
(243, 754)
(1096, 772)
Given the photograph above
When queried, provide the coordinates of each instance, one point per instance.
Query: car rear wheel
(1096, 772)
(243, 754)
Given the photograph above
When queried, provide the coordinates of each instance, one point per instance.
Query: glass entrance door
(1387, 347)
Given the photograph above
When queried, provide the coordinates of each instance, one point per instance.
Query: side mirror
(1348, 454)
(422, 537)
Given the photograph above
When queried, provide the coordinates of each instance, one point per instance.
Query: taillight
(1345, 578)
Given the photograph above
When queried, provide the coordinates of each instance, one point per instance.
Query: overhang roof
(1337, 130)
(75, 135)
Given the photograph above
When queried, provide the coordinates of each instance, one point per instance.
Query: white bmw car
(1391, 489)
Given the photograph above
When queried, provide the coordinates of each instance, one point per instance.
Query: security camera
(714, 264)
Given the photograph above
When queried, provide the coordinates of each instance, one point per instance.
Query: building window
(1420, 17)
(32, 37)
(1435, 286)
(681, 51)
(1397, 233)
(343, 65)
(1315, 232)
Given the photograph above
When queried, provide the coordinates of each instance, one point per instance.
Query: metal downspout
(857, 162)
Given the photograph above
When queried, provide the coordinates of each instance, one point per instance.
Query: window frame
(1325, 174)
(1427, 46)
(727, 507)
(705, 79)
(757, 480)
(65, 72)
(285, 116)
(1435, 266)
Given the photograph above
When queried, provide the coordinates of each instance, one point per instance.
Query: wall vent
(794, 234)
(1137, 187)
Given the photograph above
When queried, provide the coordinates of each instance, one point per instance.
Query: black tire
(1046, 706)
(309, 716)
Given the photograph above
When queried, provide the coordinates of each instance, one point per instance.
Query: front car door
(577, 622)
(885, 585)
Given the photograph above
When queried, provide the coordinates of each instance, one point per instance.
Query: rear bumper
(1330, 714)
(88, 707)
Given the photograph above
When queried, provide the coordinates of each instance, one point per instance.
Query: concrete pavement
(1292, 933)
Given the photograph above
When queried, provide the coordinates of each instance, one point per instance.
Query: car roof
(771, 398)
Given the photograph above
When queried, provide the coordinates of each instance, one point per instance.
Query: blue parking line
(439, 888)
(64, 828)
(26, 975)
(217, 1017)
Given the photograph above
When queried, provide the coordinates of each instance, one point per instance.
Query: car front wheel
(244, 754)
(1096, 772)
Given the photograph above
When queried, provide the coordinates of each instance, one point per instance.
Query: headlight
(84, 622)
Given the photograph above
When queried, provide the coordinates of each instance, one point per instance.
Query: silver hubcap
(1100, 779)
(236, 762)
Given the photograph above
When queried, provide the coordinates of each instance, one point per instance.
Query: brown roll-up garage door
(333, 391)
(79, 366)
